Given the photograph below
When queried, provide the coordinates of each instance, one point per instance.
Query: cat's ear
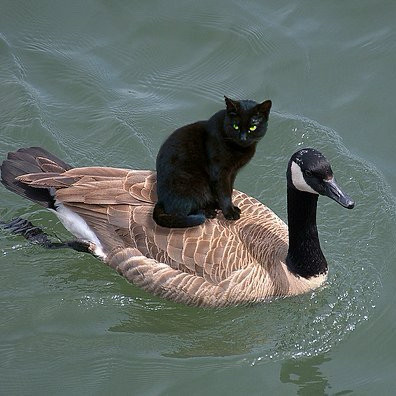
(264, 108)
(232, 105)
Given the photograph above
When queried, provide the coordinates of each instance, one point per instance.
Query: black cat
(198, 163)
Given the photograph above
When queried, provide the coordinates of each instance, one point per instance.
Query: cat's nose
(243, 137)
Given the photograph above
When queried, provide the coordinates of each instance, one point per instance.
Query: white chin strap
(298, 179)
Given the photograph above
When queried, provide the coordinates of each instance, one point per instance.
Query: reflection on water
(305, 373)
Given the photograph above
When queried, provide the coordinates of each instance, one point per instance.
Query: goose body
(218, 263)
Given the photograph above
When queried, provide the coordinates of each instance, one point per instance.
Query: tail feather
(26, 161)
(30, 154)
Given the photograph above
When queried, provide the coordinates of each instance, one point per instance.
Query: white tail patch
(298, 179)
(77, 226)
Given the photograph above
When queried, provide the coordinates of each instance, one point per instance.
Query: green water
(103, 83)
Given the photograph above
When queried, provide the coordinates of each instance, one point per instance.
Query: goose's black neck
(305, 257)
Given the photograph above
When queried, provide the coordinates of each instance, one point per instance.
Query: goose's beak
(332, 190)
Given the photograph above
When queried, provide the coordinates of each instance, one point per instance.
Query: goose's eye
(308, 173)
(253, 128)
(235, 126)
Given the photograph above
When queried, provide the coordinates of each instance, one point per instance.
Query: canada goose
(216, 264)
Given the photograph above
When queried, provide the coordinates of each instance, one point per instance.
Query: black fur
(198, 163)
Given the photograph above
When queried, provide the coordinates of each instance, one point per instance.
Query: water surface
(103, 84)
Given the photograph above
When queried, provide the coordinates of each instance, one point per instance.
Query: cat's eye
(253, 128)
(235, 126)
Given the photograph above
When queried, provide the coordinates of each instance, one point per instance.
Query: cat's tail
(176, 221)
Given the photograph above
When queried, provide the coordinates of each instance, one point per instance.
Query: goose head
(309, 171)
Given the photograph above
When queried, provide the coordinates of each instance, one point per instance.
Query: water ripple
(109, 97)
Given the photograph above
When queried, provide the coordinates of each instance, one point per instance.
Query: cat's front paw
(236, 209)
(232, 213)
